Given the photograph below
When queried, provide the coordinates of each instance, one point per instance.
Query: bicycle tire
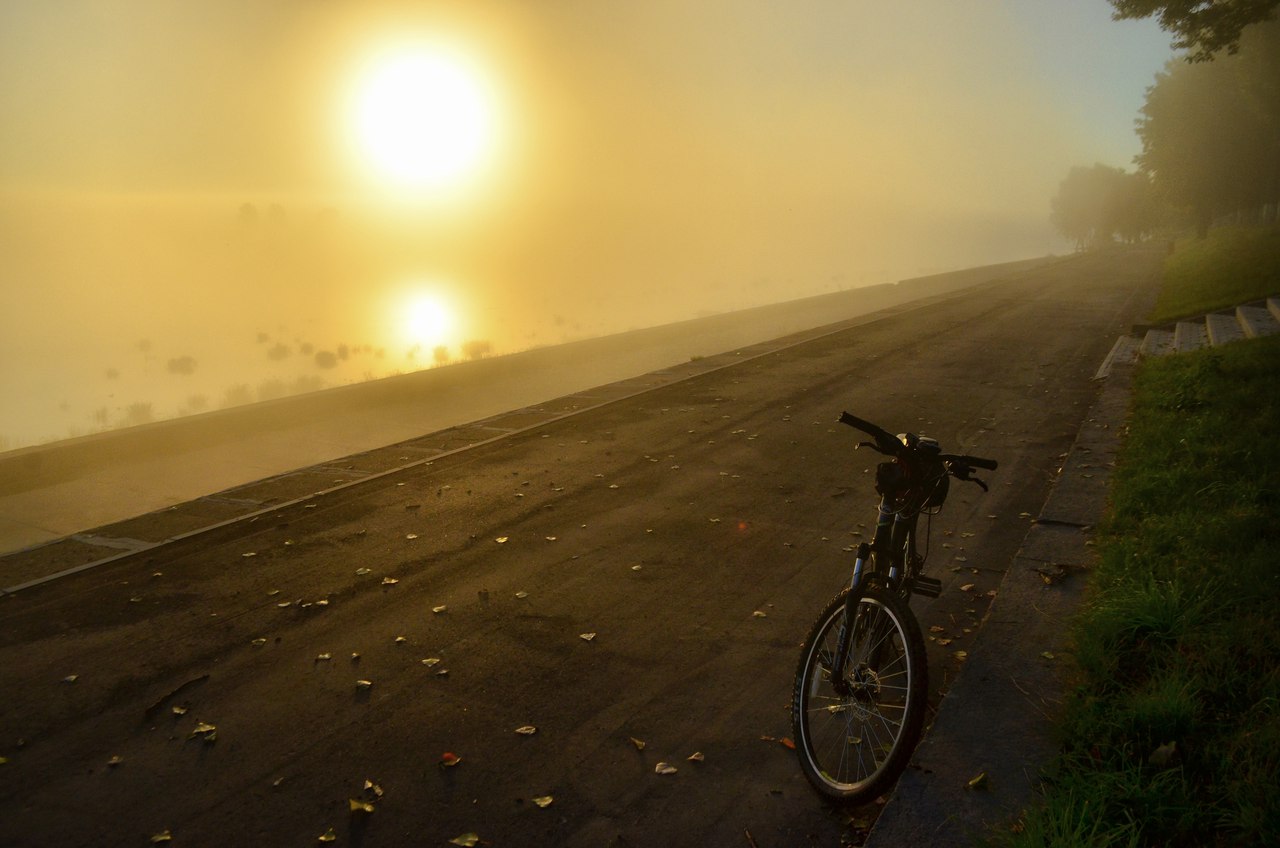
(852, 748)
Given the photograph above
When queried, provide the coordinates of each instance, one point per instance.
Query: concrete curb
(998, 718)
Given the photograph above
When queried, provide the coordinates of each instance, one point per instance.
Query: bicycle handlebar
(886, 442)
(890, 444)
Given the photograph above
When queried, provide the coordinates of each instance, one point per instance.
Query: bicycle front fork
(844, 638)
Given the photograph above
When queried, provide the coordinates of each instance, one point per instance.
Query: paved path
(734, 492)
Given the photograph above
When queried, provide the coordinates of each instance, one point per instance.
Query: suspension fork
(893, 534)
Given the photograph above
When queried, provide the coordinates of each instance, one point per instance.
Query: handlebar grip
(884, 439)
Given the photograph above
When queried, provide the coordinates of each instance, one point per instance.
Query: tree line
(1209, 127)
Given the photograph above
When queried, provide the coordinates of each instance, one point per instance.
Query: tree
(476, 348)
(1207, 26)
(1211, 132)
(1095, 205)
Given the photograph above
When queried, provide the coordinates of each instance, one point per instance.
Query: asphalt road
(695, 530)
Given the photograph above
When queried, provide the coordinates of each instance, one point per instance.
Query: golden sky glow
(253, 185)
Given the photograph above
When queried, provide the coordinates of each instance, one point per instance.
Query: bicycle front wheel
(853, 744)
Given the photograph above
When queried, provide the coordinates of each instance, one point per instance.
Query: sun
(428, 320)
(423, 117)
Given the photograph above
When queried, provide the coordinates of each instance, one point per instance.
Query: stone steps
(1248, 321)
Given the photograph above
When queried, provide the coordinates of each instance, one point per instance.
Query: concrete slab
(1157, 343)
(1190, 335)
(1256, 321)
(1123, 352)
(1223, 328)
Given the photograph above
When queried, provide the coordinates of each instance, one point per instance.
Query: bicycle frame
(895, 539)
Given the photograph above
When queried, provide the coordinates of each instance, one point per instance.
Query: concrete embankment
(51, 491)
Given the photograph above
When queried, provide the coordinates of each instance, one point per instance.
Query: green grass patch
(1173, 734)
(1233, 265)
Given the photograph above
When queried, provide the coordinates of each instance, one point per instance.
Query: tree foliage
(1203, 26)
(1094, 206)
(1211, 132)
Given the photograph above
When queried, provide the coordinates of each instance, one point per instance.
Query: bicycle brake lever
(979, 482)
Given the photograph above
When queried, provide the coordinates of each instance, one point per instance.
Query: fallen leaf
(501, 540)
(639, 743)
(363, 571)
(162, 836)
(696, 757)
(527, 730)
(430, 661)
(115, 761)
(370, 786)
(202, 729)
(586, 637)
(664, 768)
(439, 609)
(466, 840)
(636, 567)
(944, 642)
(449, 759)
(178, 711)
(71, 678)
(551, 538)
(968, 587)
(522, 595)
(1047, 655)
(284, 604)
(937, 628)
(759, 614)
(259, 642)
(787, 743)
(543, 800)
(327, 836)
(364, 684)
(979, 781)
(389, 581)
(411, 536)
(323, 657)
(358, 806)
(961, 655)
(249, 554)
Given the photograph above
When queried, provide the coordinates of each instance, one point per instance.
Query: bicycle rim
(853, 746)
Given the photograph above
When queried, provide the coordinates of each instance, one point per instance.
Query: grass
(1234, 265)
(1172, 736)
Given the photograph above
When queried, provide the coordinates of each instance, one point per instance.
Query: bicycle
(858, 705)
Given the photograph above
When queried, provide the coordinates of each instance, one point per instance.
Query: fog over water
(205, 204)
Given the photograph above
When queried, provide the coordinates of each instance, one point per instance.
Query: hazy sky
(627, 164)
